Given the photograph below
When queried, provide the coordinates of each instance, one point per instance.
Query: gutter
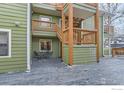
(28, 37)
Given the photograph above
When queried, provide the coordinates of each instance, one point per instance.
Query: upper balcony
(81, 10)
(47, 8)
(51, 29)
(55, 8)
(45, 29)
(80, 23)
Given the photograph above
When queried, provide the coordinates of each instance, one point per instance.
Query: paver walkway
(110, 71)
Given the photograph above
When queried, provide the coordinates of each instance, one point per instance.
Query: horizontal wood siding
(44, 33)
(66, 55)
(84, 54)
(9, 14)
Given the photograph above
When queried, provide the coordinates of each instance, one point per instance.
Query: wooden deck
(74, 35)
(117, 51)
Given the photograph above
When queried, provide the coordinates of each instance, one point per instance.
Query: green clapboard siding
(66, 55)
(84, 54)
(55, 45)
(9, 14)
(81, 54)
(36, 16)
(44, 33)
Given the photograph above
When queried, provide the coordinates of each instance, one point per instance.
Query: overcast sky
(119, 23)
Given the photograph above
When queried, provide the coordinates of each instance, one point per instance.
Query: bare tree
(112, 12)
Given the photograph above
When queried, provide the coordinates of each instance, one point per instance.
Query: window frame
(49, 17)
(82, 24)
(46, 17)
(60, 22)
(9, 44)
(40, 46)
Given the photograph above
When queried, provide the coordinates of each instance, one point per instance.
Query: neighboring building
(67, 31)
(109, 30)
(118, 41)
(108, 35)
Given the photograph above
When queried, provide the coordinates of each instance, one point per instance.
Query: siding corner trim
(28, 37)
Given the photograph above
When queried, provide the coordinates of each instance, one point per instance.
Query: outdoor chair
(50, 54)
(37, 55)
(47, 54)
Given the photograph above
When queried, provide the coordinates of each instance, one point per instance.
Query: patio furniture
(42, 55)
(37, 55)
(46, 54)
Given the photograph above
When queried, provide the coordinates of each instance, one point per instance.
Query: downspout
(28, 37)
(103, 35)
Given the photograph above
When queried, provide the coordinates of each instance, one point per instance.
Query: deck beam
(70, 15)
(96, 21)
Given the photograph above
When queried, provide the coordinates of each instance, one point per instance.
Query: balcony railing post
(70, 34)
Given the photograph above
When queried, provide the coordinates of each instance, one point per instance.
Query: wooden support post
(63, 27)
(70, 15)
(96, 19)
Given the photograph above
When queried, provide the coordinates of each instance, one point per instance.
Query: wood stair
(58, 32)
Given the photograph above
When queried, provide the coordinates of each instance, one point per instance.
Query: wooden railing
(66, 36)
(81, 36)
(46, 26)
(58, 32)
(38, 25)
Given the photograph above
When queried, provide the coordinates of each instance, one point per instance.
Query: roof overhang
(45, 9)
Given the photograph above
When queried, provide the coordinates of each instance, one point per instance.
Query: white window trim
(51, 19)
(9, 50)
(60, 22)
(40, 46)
(82, 24)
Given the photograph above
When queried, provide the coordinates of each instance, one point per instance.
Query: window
(5, 42)
(45, 45)
(60, 22)
(82, 24)
(45, 19)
